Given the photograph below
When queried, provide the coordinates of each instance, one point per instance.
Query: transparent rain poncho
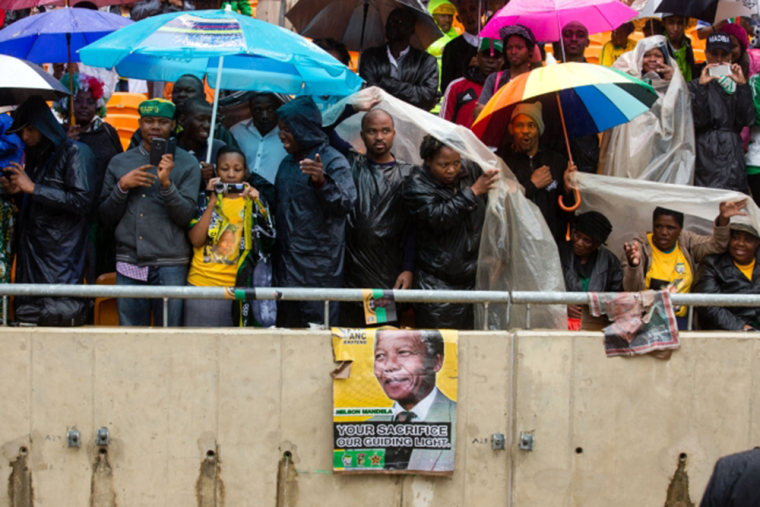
(658, 145)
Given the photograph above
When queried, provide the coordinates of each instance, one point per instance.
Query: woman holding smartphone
(721, 106)
(659, 144)
(232, 234)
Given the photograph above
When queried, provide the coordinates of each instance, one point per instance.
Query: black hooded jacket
(52, 222)
(718, 275)
(718, 119)
(310, 219)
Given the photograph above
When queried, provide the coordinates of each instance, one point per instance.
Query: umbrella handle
(575, 206)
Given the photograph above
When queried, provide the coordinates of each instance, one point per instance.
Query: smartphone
(720, 70)
(171, 146)
(157, 150)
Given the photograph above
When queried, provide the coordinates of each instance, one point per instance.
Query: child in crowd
(231, 237)
(618, 44)
(679, 45)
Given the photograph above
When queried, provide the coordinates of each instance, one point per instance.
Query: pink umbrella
(547, 17)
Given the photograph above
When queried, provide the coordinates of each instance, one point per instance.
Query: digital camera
(229, 188)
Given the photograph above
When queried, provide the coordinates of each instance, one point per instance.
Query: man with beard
(403, 71)
(379, 244)
(545, 174)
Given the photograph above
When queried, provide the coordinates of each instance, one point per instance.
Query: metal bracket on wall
(102, 437)
(74, 438)
(526, 441)
(498, 442)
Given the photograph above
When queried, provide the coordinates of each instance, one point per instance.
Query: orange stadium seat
(124, 103)
(106, 313)
(125, 125)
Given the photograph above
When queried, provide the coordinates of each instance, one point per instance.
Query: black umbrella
(709, 10)
(358, 23)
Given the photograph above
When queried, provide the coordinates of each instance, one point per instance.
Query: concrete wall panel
(608, 431)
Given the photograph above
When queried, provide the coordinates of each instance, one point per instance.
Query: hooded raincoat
(310, 219)
(718, 119)
(448, 220)
(52, 222)
(659, 144)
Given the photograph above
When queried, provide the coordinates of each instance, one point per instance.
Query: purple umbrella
(56, 36)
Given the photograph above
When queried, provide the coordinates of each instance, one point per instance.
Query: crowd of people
(287, 202)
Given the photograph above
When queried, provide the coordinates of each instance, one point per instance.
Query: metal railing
(326, 295)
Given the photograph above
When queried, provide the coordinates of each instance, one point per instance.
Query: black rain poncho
(310, 220)
(718, 119)
(448, 220)
(52, 222)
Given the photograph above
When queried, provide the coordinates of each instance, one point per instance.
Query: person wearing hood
(658, 145)
(443, 13)
(724, 107)
(314, 193)
(462, 94)
(54, 198)
(587, 265)
(733, 272)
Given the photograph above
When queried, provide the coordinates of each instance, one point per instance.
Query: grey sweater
(151, 222)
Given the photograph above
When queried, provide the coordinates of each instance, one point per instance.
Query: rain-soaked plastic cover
(629, 203)
(517, 251)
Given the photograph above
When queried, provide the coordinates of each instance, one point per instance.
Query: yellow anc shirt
(747, 269)
(667, 269)
(215, 263)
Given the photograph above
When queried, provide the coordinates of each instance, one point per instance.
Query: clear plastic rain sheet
(628, 204)
(516, 250)
(658, 145)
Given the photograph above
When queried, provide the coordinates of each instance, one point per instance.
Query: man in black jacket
(379, 243)
(403, 71)
(545, 174)
(54, 201)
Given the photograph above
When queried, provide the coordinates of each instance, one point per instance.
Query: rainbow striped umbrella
(593, 98)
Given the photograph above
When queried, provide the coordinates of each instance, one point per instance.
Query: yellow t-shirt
(667, 269)
(747, 269)
(215, 263)
(611, 52)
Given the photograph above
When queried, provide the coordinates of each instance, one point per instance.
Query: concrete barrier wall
(244, 418)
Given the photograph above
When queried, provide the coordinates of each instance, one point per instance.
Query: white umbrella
(646, 8)
(21, 79)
